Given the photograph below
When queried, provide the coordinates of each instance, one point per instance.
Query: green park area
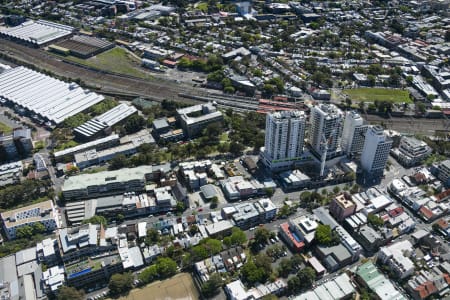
(116, 60)
(378, 94)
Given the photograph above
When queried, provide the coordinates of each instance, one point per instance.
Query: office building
(411, 151)
(43, 212)
(342, 206)
(194, 119)
(444, 172)
(353, 134)
(326, 129)
(375, 151)
(284, 139)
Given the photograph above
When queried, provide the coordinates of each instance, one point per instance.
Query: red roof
(297, 245)
(447, 278)
(443, 196)
(396, 212)
(426, 212)
(426, 289)
(442, 223)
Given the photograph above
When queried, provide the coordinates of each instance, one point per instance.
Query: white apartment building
(284, 140)
(411, 151)
(396, 257)
(353, 133)
(326, 127)
(375, 151)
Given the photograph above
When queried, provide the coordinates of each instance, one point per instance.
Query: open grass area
(180, 286)
(5, 128)
(115, 60)
(379, 94)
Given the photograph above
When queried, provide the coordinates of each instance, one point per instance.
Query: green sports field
(378, 94)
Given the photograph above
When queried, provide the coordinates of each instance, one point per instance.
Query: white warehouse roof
(108, 119)
(48, 97)
(39, 32)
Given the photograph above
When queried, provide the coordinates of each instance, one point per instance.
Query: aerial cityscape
(236, 150)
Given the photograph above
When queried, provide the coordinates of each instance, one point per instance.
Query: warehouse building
(37, 33)
(103, 123)
(44, 97)
(84, 46)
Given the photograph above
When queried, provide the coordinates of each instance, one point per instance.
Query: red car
(200, 209)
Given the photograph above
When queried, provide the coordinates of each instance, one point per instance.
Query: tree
(120, 283)
(166, 267)
(336, 189)
(96, 220)
(421, 107)
(323, 234)
(285, 267)
(306, 277)
(285, 211)
(149, 274)
(236, 148)
(68, 292)
(152, 237)
(24, 232)
(134, 124)
(180, 207)
(294, 285)
(238, 236)
(118, 162)
(210, 287)
(374, 220)
(263, 261)
(38, 228)
(193, 229)
(261, 235)
(252, 274)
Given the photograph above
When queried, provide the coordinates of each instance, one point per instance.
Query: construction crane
(325, 142)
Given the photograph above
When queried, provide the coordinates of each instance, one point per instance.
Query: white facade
(375, 151)
(411, 151)
(396, 256)
(326, 127)
(353, 133)
(285, 133)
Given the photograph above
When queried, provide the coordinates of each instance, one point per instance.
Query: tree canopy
(120, 283)
(68, 292)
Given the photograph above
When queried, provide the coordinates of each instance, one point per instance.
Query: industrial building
(194, 119)
(44, 97)
(43, 212)
(37, 33)
(83, 46)
(102, 124)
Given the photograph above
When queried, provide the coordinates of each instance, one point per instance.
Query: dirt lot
(179, 287)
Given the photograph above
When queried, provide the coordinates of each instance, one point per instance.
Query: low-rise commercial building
(342, 206)
(111, 182)
(43, 212)
(444, 172)
(195, 118)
